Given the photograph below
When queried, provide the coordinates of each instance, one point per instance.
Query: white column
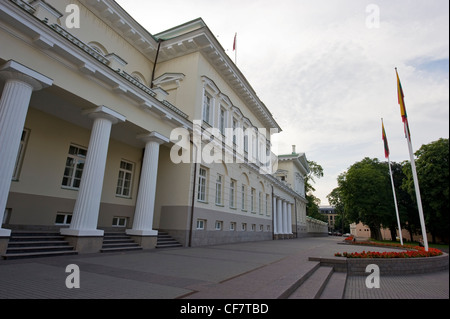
(20, 82)
(289, 218)
(279, 216)
(285, 218)
(87, 206)
(145, 203)
(274, 215)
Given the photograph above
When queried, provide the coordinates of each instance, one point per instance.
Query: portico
(282, 217)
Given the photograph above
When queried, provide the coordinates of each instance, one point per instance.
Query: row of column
(20, 82)
(282, 216)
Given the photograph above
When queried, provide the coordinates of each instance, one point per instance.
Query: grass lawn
(442, 247)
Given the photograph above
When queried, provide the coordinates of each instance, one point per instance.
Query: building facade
(106, 126)
(330, 213)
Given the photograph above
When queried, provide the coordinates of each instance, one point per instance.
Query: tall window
(233, 193)
(219, 189)
(20, 153)
(207, 107)
(125, 179)
(260, 203)
(74, 167)
(244, 197)
(252, 199)
(201, 196)
(222, 121)
(234, 130)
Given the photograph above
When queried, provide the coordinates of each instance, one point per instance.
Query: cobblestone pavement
(424, 286)
(174, 273)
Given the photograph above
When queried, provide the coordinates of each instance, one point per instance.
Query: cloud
(326, 76)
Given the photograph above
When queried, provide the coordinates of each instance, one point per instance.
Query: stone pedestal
(85, 244)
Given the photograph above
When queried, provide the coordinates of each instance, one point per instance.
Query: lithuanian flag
(401, 101)
(386, 146)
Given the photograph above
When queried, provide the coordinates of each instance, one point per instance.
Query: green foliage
(432, 166)
(364, 192)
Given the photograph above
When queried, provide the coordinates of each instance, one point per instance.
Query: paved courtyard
(183, 272)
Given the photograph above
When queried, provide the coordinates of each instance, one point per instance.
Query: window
(201, 224)
(218, 225)
(253, 227)
(125, 179)
(222, 121)
(63, 219)
(232, 226)
(207, 107)
(267, 204)
(233, 193)
(201, 196)
(119, 222)
(244, 226)
(74, 167)
(20, 154)
(219, 189)
(234, 130)
(260, 203)
(261, 227)
(252, 200)
(244, 197)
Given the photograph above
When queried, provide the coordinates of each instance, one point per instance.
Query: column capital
(104, 112)
(153, 137)
(13, 70)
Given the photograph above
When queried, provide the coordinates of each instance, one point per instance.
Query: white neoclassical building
(93, 111)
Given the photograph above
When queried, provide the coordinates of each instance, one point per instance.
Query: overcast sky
(326, 69)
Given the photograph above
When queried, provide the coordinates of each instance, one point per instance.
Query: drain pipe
(156, 61)
(296, 223)
(193, 199)
(273, 217)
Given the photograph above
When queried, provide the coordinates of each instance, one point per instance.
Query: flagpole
(413, 163)
(393, 192)
(235, 48)
(416, 185)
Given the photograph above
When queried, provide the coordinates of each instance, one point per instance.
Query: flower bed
(412, 252)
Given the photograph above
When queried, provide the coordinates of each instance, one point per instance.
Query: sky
(326, 70)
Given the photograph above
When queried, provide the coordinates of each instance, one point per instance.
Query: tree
(432, 166)
(312, 207)
(366, 194)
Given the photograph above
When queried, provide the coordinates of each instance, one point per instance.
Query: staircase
(118, 241)
(37, 244)
(166, 241)
(323, 283)
(288, 278)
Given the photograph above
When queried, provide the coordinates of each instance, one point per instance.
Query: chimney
(293, 149)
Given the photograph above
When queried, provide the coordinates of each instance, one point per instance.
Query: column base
(147, 239)
(137, 232)
(85, 244)
(146, 242)
(82, 232)
(3, 244)
(5, 232)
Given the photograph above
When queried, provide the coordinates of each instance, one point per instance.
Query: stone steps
(166, 241)
(37, 244)
(118, 241)
(289, 278)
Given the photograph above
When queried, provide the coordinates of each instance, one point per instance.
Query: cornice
(59, 43)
